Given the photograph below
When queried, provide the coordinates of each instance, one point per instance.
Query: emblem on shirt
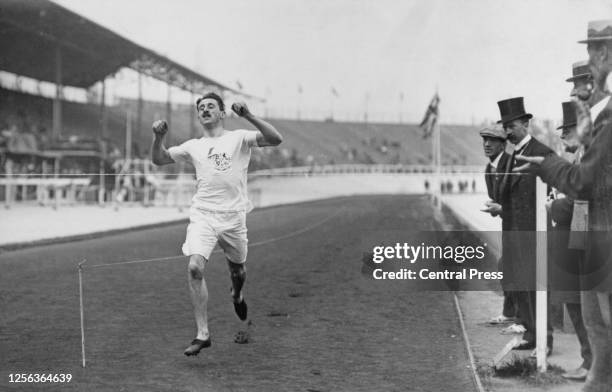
(220, 162)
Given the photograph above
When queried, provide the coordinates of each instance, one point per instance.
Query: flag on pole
(431, 117)
(239, 85)
(334, 92)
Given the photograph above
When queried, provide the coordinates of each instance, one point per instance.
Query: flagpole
(401, 106)
(431, 128)
(438, 160)
(434, 172)
(365, 114)
(299, 103)
(331, 106)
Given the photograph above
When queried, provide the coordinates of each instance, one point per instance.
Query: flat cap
(493, 131)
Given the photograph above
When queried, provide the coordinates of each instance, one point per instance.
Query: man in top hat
(565, 256)
(518, 219)
(592, 178)
(494, 145)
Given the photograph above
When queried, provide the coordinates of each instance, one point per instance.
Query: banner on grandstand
(431, 117)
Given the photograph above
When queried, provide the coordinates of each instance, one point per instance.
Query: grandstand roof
(32, 30)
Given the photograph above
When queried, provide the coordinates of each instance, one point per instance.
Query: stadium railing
(178, 191)
(362, 168)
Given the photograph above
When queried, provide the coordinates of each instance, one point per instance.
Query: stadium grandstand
(42, 135)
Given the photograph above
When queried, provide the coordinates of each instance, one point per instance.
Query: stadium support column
(169, 106)
(128, 136)
(139, 108)
(57, 100)
(192, 129)
(103, 117)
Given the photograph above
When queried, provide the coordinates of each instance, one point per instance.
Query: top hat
(569, 115)
(512, 109)
(493, 131)
(580, 70)
(598, 30)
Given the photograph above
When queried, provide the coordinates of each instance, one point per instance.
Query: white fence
(361, 169)
(266, 187)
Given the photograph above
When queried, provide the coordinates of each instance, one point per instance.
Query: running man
(218, 209)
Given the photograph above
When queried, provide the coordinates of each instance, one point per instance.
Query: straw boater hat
(580, 70)
(512, 109)
(598, 30)
(569, 115)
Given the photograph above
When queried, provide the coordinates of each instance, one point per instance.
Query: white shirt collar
(522, 143)
(599, 107)
(495, 161)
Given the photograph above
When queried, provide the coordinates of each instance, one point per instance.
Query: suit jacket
(519, 191)
(518, 197)
(591, 179)
(493, 181)
(564, 264)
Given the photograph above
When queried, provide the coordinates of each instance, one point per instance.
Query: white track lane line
(466, 340)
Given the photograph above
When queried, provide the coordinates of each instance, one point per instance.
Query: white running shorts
(207, 228)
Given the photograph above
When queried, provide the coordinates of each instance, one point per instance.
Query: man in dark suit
(518, 192)
(494, 145)
(592, 178)
(565, 256)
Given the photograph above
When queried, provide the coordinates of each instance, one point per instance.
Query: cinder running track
(319, 324)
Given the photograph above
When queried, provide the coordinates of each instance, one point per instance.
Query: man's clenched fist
(241, 109)
(160, 127)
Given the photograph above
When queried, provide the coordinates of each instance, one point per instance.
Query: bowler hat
(569, 115)
(512, 109)
(598, 30)
(493, 131)
(580, 70)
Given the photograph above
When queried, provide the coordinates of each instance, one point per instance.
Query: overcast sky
(475, 52)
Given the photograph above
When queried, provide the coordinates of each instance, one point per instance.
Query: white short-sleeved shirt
(221, 165)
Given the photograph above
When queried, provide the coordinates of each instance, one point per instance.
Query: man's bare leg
(238, 276)
(199, 299)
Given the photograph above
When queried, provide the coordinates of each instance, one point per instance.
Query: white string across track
(81, 267)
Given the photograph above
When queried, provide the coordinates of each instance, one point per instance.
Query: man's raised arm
(268, 135)
(159, 154)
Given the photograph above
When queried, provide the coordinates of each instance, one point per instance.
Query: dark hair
(214, 96)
